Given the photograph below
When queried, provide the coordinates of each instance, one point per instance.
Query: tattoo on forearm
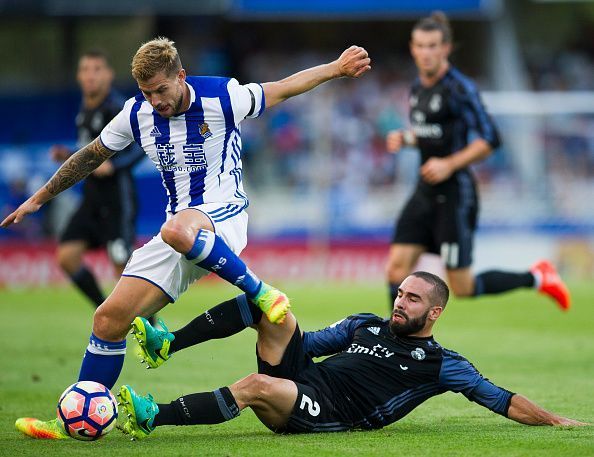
(78, 167)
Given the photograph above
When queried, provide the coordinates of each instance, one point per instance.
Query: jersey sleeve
(247, 100)
(334, 338)
(117, 135)
(476, 116)
(459, 375)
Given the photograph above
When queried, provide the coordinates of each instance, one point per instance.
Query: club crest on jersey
(418, 354)
(205, 131)
(418, 117)
(374, 330)
(435, 103)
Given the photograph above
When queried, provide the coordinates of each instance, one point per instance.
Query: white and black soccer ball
(87, 410)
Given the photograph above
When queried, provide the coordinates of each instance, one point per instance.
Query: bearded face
(403, 325)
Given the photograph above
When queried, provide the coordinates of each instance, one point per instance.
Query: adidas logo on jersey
(155, 132)
(374, 330)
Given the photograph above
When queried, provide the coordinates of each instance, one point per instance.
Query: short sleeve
(247, 100)
(117, 135)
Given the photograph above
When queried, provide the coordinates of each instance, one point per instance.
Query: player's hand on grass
(353, 62)
(566, 422)
(18, 215)
(436, 170)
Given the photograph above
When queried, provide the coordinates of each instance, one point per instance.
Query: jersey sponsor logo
(376, 351)
(418, 354)
(374, 330)
(166, 155)
(194, 157)
(427, 130)
(422, 129)
(313, 407)
(205, 131)
(155, 132)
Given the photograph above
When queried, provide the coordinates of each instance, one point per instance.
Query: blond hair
(158, 55)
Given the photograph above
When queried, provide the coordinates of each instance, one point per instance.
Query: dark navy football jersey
(444, 115)
(90, 123)
(378, 377)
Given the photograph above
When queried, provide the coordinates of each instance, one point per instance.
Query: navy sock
(202, 408)
(103, 361)
(225, 319)
(86, 282)
(495, 282)
(212, 253)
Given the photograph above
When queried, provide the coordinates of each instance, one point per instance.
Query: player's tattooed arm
(78, 166)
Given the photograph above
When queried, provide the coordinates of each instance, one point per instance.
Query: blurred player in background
(441, 215)
(378, 371)
(189, 127)
(107, 213)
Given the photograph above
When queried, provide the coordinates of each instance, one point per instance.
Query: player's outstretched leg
(138, 413)
(41, 430)
(549, 282)
(154, 343)
(210, 252)
(142, 414)
(221, 321)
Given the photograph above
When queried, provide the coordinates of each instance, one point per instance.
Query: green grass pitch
(519, 340)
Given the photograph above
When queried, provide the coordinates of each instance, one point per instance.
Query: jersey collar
(192, 93)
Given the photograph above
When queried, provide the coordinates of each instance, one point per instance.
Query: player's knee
(461, 293)
(396, 272)
(66, 260)
(177, 236)
(462, 289)
(109, 323)
(259, 387)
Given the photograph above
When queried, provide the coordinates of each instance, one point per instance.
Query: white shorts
(161, 265)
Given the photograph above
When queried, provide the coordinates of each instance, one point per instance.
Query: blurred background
(324, 193)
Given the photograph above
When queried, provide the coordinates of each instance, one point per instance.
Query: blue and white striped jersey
(198, 152)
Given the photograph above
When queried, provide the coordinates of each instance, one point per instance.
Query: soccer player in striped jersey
(441, 215)
(189, 128)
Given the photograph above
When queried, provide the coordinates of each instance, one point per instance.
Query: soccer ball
(87, 410)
